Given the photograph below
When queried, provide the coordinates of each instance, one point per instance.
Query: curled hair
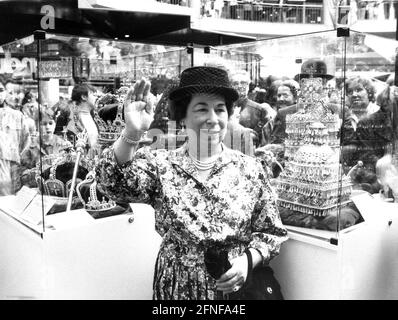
(179, 107)
(81, 90)
(292, 85)
(273, 90)
(383, 99)
(366, 83)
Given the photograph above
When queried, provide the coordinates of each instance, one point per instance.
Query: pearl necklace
(202, 165)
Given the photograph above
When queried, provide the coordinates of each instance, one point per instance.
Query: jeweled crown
(88, 194)
(55, 178)
(109, 129)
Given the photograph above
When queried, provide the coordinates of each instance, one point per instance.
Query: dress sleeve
(134, 181)
(268, 232)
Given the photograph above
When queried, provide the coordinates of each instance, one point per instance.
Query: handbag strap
(249, 265)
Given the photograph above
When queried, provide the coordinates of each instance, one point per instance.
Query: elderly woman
(286, 99)
(369, 134)
(205, 195)
(361, 96)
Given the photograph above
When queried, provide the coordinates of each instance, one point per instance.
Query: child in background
(50, 144)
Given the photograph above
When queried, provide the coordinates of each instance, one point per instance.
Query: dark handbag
(216, 262)
(260, 284)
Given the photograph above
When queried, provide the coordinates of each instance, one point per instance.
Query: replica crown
(56, 177)
(109, 118)
(89, 195)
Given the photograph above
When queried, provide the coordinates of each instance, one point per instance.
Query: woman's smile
(207, 114)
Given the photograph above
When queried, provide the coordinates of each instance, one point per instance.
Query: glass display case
(52, 214)
(330, 153)
(39, 77)
(335, 143)
(326, 139)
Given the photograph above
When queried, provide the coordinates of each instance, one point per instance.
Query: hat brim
(227, 92)
(315, 75)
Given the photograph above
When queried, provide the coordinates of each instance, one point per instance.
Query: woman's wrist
(124, 148)
(131, 136)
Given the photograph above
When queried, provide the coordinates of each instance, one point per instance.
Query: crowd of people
(258, 120)
(372, 10)
(286, 11)
(254, 10)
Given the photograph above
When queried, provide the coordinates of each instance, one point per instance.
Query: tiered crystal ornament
(312, 105)
(311, 182)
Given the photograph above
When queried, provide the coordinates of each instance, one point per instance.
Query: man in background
(14, 137)
(252, 115)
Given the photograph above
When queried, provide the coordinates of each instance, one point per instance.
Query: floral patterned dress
(234, 208)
